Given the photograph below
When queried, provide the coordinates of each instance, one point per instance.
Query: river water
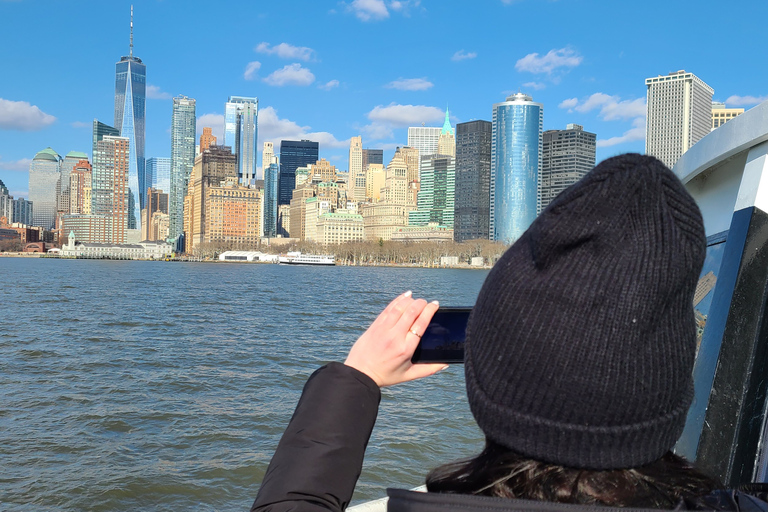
(166, 386)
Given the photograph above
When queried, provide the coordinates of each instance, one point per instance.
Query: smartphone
(443, 341)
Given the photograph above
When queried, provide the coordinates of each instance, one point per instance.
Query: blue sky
(327, 70)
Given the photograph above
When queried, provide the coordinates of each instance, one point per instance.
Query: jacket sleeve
(319, 458)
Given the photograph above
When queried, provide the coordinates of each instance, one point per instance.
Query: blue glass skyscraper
(130, 112)
(182, 160)
(271, 172)
(516, 146)
(241, 116)
(159, 174)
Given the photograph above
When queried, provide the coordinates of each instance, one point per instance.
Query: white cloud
(80, 124)
(368, 10)
(612, 108)
(213, 121)
(329, 85)
(410, 84)
(536, 86)
(154, 93)
(385, 119)
(745, 101)
(554, 59)
(462, 55)
(20, 115)
(251, 69)
(569, 103)
(637, 132)
(274, 129)
(292, 74)
(15, 165)
(286, 51)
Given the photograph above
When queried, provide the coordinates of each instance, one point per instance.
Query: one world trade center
(130, 111)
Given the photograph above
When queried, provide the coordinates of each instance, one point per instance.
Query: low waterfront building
(140, 251)
(248, 256)
(432, 232)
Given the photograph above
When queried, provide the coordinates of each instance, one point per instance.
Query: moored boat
(297, 258)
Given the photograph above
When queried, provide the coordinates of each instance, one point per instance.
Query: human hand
(384, 351)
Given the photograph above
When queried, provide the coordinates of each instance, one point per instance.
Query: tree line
(370, 252)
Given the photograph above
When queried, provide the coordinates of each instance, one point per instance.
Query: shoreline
(193, 260)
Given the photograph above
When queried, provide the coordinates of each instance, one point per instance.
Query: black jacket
(320, 456)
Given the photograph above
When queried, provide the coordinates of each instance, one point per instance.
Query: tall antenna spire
(131, 52)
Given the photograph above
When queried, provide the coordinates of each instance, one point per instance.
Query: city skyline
(318, 85)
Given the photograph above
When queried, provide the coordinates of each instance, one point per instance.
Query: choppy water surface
(166, 386)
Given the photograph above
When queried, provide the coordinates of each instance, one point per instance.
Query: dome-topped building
(44, 175)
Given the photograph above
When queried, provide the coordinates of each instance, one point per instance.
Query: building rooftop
(77, 154)
(47, 154)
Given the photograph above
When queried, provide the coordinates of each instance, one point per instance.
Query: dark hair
(500, 472)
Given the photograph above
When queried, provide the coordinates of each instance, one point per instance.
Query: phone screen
(443, 341)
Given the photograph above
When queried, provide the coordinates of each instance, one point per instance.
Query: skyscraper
(6, 203)
(159, 173)
(130, 113)
(515, 166)
(110, 190)
(80, 187)
(271, 172)
(567, 155)
(721, 114)
(473, 178)
(436, 196)
(293, 154)
(424, 138)
(446, 143)
(207, 139)
(44, 175)
(22, 211)
(679, 109)
(356, 184)
(182, 160)
(240, 132)
(372, 156)
(63, 188)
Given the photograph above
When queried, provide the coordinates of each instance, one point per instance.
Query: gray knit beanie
(581, 344)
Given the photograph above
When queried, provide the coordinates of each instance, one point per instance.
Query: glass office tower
(241, 116)
(516, 147)
(130, 112)
(159, 174)
(44, 174)
(294, 154)
(271, 173)
(182, 160)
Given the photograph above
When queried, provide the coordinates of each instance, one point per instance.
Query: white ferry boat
(296, 258)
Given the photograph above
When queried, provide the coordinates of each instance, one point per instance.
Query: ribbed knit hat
(581, 344)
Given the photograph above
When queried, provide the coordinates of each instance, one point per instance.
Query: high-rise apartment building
(679, 113)
(44, 175)
(436, 195)
(207, 139)
(110, 195)
(159, 173)
(357, 169)
(157, 203)
(473, 179)
(446, 143)
(182, 160)
(322, 171)
(6, 203)
(240, 133)
(721, 114)
(267, 152)
(516, 146)
(99, 131)
(63, 188)
(293, 154)
(130, 114)
(80, 187)
(22, 211)
(566, 157)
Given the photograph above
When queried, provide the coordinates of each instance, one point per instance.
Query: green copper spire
(447, 124)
